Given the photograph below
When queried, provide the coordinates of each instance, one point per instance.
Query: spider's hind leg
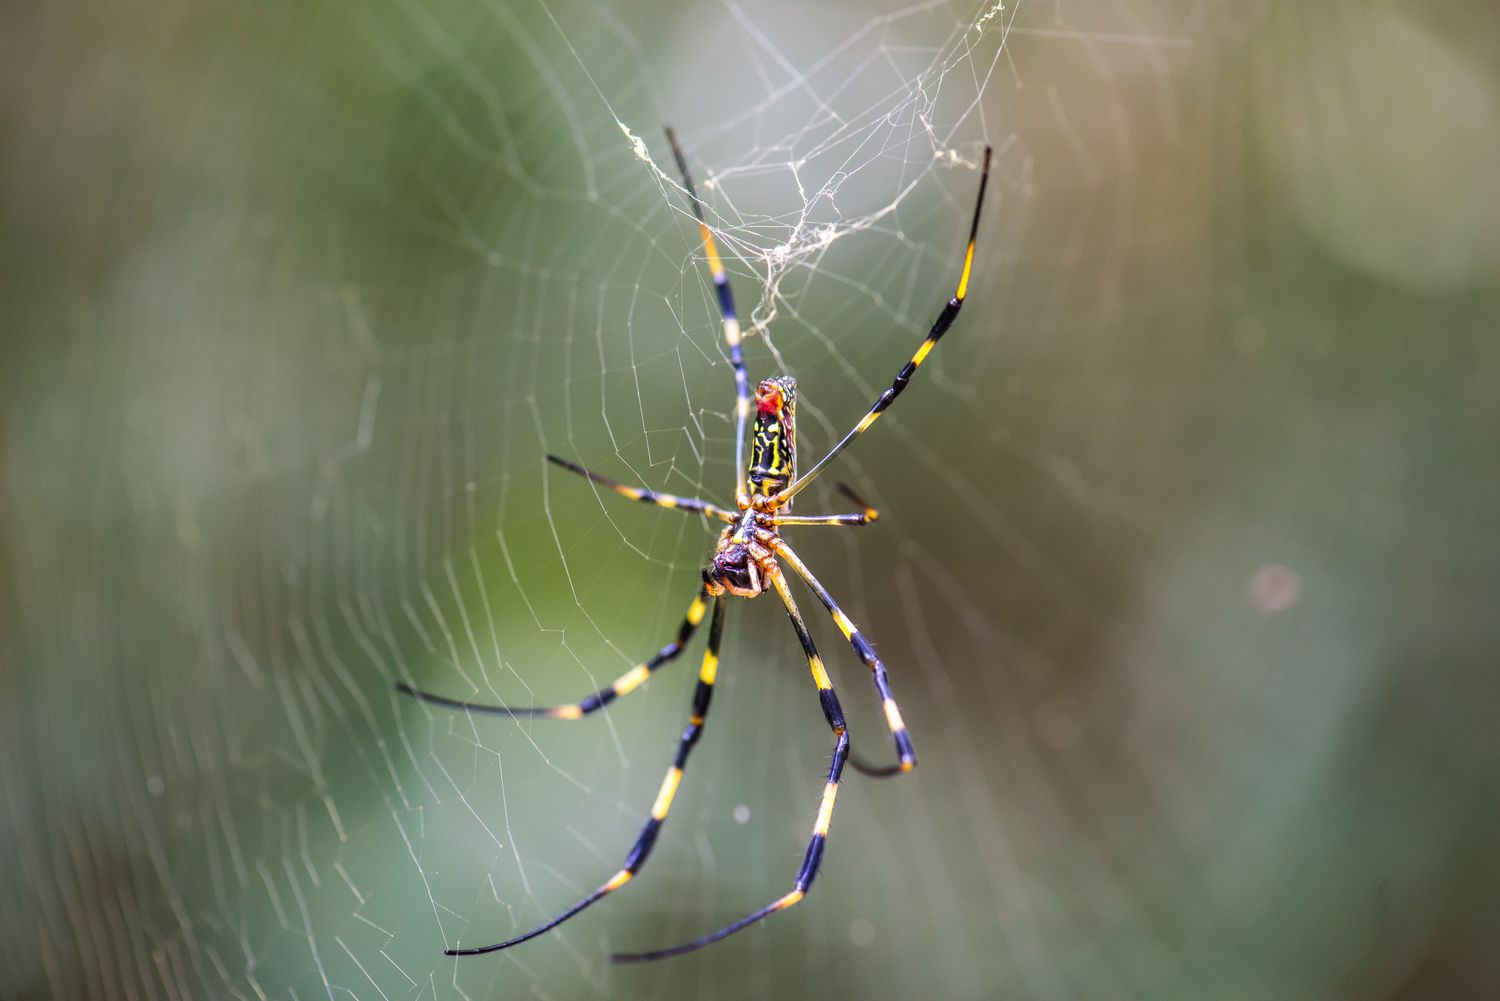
(940, 326)
(731, 323)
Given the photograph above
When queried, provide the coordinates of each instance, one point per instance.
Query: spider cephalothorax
(746, 562)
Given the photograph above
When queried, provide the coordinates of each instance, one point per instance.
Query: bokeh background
(1188, 570)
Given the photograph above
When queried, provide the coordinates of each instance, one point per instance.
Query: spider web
(359, 270)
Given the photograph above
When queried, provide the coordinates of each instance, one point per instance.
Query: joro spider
(745, 563)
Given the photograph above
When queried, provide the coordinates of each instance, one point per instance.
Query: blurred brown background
(1187, 566)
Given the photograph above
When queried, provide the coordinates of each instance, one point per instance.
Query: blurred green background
(1188, 565)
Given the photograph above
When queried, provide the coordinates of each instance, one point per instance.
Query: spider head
(735, 570)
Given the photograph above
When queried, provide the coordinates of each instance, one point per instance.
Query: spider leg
(906, 754)
(939, 327)
(823, 519)
(731, 322)
(626, 683)
(875, 771)
(865, 517)
(644, 842)
(813, 857)
(646, 496)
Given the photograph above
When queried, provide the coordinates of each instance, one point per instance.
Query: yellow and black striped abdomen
(773, 439)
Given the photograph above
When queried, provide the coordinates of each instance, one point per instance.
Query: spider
(745, 563)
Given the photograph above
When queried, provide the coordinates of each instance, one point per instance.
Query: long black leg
(731, 322)
(906, 754)
(626, 683)
(645, 496)
(939, 328)
(813, 857)
(641, 851)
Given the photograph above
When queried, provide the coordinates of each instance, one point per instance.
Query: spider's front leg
(646, 840)
(812, 859)
(906, 754)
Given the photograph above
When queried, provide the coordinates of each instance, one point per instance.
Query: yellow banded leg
(906, 754)
(731, 322)
(939, 328)
(812, 859)
(626, 683)
(644, 842)
(867, 515)
(821, 519)
(670, 501)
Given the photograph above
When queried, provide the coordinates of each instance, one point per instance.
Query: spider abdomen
(773, 438)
